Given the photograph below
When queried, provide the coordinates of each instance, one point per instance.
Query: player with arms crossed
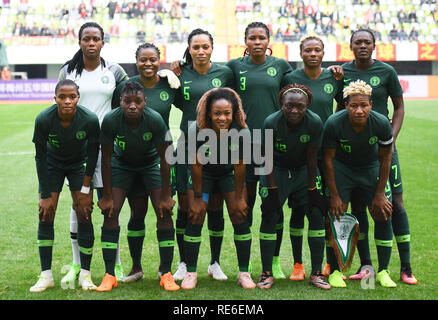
(66, 139)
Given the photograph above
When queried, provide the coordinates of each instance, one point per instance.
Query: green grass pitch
(19, 261)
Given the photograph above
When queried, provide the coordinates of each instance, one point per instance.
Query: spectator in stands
(157, 18)
(173, 37)
(319, 28)
(377, 35)
(63, 14)
(300, 14)
(403, 36)
(303, 27)
(23, 7)
(256, 7)
(278, 35)
(412, 17)
(45, 31)
(413, 35)
(6, 74)
(176, 10)
(185, 10)
(283, 10)
(402, 17)
(141, 35)
(112, 6)
(140, 11)
(35, 31)
(393, 34)
(378, 17)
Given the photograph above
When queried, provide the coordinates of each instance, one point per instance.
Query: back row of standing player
(257, 78)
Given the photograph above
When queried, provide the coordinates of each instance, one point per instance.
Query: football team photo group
(276, 174)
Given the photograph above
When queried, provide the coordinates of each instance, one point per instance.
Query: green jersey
(324, 90)
(193, 87)
(133, 147)
(159, 98)
(65, 148)
(290, 147)
(207, 148)
(357, 149)
(258, 86)
(381, 77)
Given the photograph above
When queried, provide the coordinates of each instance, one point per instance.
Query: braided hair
(195, 32)
(146, 45)
(296, 88)
(254, 25)
(77, 62)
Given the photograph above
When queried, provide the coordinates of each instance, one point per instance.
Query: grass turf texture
(19, 260)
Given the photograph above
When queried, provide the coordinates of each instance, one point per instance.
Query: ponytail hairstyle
(146, 45)
(254, 25)
(187, 56)
(77, 62)
(203, 110)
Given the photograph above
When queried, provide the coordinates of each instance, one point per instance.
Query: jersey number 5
(186, 93)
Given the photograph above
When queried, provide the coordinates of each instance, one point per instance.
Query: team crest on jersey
(147, 136)
(328, 88)
(164, 96)
(373, 140)
(80, 135)
(271, 71)
(263, 192)
(216, 82)
(374, 81)
(304, 138)
(105, 79)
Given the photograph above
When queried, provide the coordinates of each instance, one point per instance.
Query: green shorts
(214, 184)
(138, 189)
(125, 178)
(366, 179)
(292, 185)
(57, 176)
(395, 179)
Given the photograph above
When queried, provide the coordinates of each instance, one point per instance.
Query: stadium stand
(170, 21)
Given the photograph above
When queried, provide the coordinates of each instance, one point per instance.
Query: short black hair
(132, 87)
(66, 82)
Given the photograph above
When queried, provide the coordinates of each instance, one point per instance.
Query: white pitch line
(18, 153)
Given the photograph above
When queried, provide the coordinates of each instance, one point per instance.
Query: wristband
(311, 189)
(85, 190)
(272, 188)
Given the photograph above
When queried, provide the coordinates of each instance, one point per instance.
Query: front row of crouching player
(357, 150)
